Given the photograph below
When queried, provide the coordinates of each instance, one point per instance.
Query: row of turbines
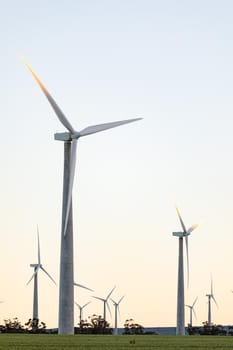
(70, 138)
(35, 312)
(180, 321)
(66, 285)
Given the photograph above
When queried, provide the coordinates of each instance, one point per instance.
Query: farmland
(86, 342)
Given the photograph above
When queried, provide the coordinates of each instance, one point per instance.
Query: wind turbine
(210, 296)
(105, 301)
(81, 311)
(70, 138)
(117, 309)
(180, 322)
(37, 267)
(191, 309)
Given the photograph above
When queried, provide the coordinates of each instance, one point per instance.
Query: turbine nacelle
(66, 136)
(180, 234)
(35, 265)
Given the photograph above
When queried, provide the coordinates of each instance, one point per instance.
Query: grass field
(87, 342)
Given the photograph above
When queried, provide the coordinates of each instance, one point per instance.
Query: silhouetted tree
(130, 327)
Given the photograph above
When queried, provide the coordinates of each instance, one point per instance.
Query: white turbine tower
(81, 311)
(180, 322)
(192, 311)
(70, 138)
(37, 267)
(210, 296)
(105, 301)
(117, 310)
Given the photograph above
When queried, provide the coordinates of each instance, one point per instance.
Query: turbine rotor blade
(109, 309)
(86, 304)
(110, 293)
(181, 220)
(81, 286)
(78, 305)
(121, 299)
(38, 240)
(194, 313)
(192, 228)
(48, 275)
(98, 298)
(101, 127)
(52, 102)
(214, 301)
(71, 182)
(35, 273)
(194, 301)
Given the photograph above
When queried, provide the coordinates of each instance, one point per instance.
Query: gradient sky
(169, 62)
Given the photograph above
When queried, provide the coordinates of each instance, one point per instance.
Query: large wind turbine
(117, 310)
(191, 309)
(37, 267)
(180, 322)
(70, 138)
(81, 311)
(105, 301)
(210, 296)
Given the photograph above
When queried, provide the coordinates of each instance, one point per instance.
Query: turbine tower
(105, 301)
(180, 322)
(210, 296)
(70, 138)
(81, 312)
(191, 309)
(37, 267)
(117, 310)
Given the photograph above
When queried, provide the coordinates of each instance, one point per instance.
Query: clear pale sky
(169, 62)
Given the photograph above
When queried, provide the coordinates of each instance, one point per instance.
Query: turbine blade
(214, 301)
(211, 288)
(35, 272)
(81, 286)
(86, 304)
(110, 293)
(194, 313)
(48, 274)
(187, 253)
(38, 240)
(101, 127)
(78, 305)
(192, 228)
(109, 309)
(181, 220)
(71, 182)
(52, 102)
(194, 301)
(121, 299)
(98, 298)
(114, 302)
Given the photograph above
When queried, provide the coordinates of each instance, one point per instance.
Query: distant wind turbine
(70, 138)
(117, 310)
(180, 321)
(81, 311)
(37, 267)
(192, 311)
(105, 301)
(210, 296)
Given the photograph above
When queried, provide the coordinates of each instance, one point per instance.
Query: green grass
(87, 342)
